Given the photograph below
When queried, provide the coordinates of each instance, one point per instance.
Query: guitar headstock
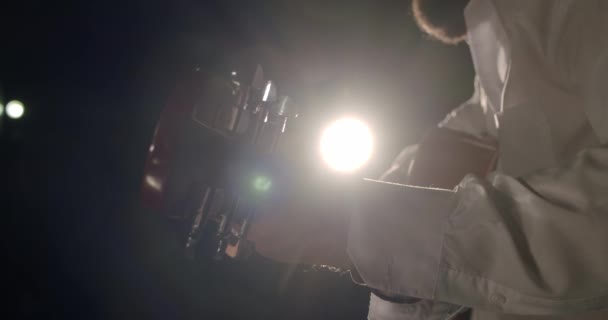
(210, 120)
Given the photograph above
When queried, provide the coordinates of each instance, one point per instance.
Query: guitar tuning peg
(270, 92)
(285, 106)
(258, 78)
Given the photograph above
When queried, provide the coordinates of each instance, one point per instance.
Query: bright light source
(346, 145)
(15, 109)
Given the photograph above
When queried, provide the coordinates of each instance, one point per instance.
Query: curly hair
(442, 19)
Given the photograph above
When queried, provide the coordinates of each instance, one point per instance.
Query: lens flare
(262, 184)
(346, 145)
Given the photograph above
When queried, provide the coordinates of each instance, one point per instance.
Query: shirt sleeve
(533, 245)
(470, 118)
(381, 308)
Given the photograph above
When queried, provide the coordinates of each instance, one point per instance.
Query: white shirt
(532, 238)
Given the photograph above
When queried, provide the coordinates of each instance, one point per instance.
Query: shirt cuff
(396, 236)
(424, 309)
(394, 298)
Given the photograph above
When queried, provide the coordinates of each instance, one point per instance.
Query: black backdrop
(94, 76)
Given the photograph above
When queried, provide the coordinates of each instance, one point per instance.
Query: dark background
(94, 76)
